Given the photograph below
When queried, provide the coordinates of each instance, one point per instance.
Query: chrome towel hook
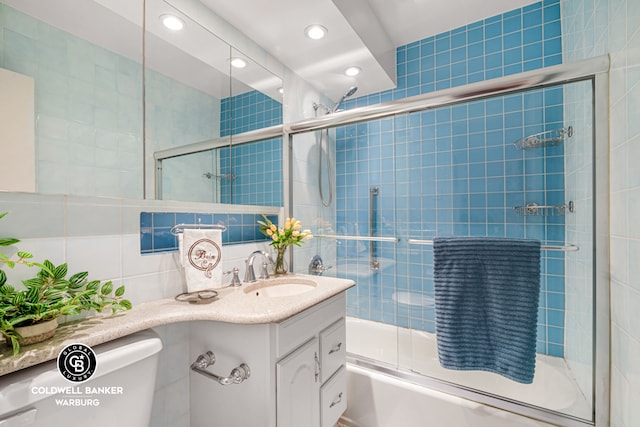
(207, 359)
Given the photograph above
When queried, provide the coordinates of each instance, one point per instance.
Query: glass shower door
(515, 166)
(512, 166)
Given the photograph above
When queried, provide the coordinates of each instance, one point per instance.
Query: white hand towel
(202, 259)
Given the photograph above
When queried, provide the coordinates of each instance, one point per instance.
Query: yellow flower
(291, 232)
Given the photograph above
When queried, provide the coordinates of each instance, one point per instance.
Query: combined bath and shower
(324, 139)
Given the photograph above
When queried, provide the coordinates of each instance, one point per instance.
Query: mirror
(207, 115)
(87, 102)
(91, 132)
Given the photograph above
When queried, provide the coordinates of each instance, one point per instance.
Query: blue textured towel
(486, 292)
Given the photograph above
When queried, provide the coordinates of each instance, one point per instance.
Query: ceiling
(360, 32)
(364, 33)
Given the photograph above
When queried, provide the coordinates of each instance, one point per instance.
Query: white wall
(299, 98)
(102, 236)
(592, 27)
(579, 231)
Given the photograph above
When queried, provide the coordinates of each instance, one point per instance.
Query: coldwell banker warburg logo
(77, 362)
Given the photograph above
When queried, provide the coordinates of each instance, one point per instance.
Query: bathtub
(380, 395)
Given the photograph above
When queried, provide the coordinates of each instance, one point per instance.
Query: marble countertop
(243, 305)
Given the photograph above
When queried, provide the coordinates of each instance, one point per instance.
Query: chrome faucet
(250, 275)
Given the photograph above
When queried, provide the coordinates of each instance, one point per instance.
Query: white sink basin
(280, 287)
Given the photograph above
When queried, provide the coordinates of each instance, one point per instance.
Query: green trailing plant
(50, 294)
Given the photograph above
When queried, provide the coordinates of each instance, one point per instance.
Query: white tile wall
(101, 236)
(587, 34)
(298, 105)
(579, 231)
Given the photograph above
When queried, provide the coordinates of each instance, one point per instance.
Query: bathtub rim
(506, 404)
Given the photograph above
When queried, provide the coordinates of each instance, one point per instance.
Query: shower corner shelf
(544, 139)
(534, 209)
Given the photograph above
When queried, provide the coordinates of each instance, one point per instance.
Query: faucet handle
(264, 272)
(316, 267)
(235, 280)
(249, 273)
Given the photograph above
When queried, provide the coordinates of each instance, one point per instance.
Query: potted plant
(30, 314)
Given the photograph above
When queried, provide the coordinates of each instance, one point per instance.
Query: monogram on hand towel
(204, 255)
(202, 259)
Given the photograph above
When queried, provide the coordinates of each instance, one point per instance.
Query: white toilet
(118, 394)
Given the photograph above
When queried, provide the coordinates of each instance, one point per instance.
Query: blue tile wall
(454, 171)
(257, 166)
(520, 40)
(156, 237)
(257, 173)
(249, 111)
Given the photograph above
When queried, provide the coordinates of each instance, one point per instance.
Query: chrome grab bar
(362, 238)
(207, 359)
(373, 261)
(565, 248)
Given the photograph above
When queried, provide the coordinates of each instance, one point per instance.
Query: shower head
(350, 92)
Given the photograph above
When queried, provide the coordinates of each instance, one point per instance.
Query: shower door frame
(595, 70)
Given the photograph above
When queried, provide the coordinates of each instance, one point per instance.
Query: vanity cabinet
(298, 387)
(311, 381)
(298, 374)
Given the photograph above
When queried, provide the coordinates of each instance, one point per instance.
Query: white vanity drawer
(333, 349)
(294, 331)
(333, 398)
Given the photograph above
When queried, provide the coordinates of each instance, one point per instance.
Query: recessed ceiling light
(238, 62)
(352, 71)
(172, 22)
(315, 31)
(281, 90)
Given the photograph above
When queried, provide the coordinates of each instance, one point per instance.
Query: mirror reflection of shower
(324, 140)
(211, 175)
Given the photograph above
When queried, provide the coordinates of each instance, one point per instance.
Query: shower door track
(593, 69)
(464, 392)
(555, 75)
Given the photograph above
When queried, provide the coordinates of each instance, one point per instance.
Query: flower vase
(281, 265)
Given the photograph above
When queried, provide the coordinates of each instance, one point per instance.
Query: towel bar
(179, 228)
(238, 374)
(564, 248)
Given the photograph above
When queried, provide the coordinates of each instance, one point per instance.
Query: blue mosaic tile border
(156, 237)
